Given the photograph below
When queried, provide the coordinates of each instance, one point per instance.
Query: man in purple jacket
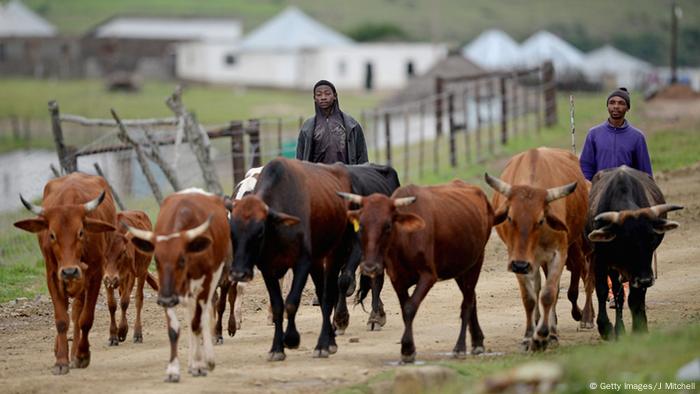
(615, 142)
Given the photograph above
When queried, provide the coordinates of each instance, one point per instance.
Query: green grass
(674, 149)
(22, 279)
(634, 359)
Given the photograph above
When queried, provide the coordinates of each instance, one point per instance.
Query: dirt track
(27, 329)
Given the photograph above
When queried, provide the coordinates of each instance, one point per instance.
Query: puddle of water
(398, 363)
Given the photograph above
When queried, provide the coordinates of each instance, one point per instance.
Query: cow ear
(282, 218)
(354, 218)
(32, 225)
(555, 223)
(661, 226)
(98, 226)
(228, 203)
(198, 244)
(144, 246)
(409, 222)
(501, 214)
(601, 235)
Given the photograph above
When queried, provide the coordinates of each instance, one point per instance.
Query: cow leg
(195, 363)
(409, 310)
(87, 317)
(638, 309)
(124, 300)
(346, 281)
(605, 328)
(326, 281)
(575, 265)
(220, 302)
(76, 308)
(467, 284)
(589, 286)
(172, 372)
(546, 330)
(285, 288)
(619, 294)
(341, 317)
(301, 274)
(349, 246)
(529, 286)
(138, 330)
(60, 311)
(207, 311)
(235, 298)
(112, 306)
(377, 318)
(273, 288)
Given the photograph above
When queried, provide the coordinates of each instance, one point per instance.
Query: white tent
(292, 30)
(543, 46)
(170, 28)
(494, 50)
(614, 67)
(16, 20)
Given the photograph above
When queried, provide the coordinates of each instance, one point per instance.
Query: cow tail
(152, 281)
(365, 287)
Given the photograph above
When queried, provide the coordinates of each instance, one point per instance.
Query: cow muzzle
(168, 302)
(371, 269)
(111, 282)
(70, 273)
(520, 267)
(241, 276)
(643, 282)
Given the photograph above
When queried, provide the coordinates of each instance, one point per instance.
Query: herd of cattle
(326, 221)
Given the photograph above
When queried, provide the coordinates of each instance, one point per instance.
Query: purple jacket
(607, 146)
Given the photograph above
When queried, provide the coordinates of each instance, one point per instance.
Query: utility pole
(676, 13)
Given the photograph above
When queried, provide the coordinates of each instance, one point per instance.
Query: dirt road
(27, 329)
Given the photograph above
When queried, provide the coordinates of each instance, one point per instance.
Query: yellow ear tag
(356, 225)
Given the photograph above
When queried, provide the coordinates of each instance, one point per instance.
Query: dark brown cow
(191, 246)
(125, 265)
(423, 235)
(294, 221)
(542, 228)
(73, 226)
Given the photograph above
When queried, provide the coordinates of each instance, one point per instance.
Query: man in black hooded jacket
(331, 135)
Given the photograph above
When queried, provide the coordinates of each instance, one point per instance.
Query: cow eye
(541, 222)
(52, 236)
(510, 219)
(80, 233)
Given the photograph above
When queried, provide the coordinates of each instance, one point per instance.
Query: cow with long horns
(73, 227)
(540, 215)
(191, 247)
(422, 235)
(626, 222)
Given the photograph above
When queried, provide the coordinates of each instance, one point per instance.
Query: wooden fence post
(68, 165)
(515, 110)
(406, 142)
(504, 112)
(451, 124)
(477, 135)
(387, 136)
(439, 86)
(492, 115)
(237, 152)
(279, 136)
(467, 137)
(253, 132)
(111, 189)
(550, 94)
(421, 138)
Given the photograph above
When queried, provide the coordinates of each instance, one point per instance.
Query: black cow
(366, 179)
(626, 222)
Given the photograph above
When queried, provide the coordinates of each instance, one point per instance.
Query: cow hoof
(341, 321)
(476, 350)
(333, 349)
(219, 340)
(291, 340)
(138, 338)
(60, 369)
(339, 331)
(525, 344)
(113, 341)
(586, 325)
(408, 358)
(172, 378)
(538, 345)
(232, 331)
(552, 342)
(374, 326)
(321, 353)
(211, 365)
(121, 334)
(606, 331)
(276, 356)
(80, 362)
(576, 314)
(196, 372)
(460, 355)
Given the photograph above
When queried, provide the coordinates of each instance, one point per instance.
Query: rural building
(543, 46)
(293, 51)
(612, 68)
(494, 50)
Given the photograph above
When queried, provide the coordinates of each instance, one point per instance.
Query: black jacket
(355, 140)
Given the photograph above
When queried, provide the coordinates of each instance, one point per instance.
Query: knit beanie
(620, 92)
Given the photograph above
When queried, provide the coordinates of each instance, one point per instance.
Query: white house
(294, 51)
(543, 46)
(16, 20)
(494, 50)
(614, 68)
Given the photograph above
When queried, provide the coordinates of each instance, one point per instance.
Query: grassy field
(445, 20)
(633, 359)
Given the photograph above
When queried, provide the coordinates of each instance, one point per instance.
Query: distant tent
(423, 86)
(543, 46)
(292, 30)
(169, 28)
(16, 20)
(611, 66)
(494, 50)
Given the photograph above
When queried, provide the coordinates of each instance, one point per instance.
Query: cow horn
(609, 217)
(138, 233)
(403, 201)
(91, 205)
(354, 198)
(498, 185)
(199, 230)
(561, 191)
(37, 210)
(660, 209)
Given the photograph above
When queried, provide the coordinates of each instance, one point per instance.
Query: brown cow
(541, 228)
(73, 227)
(423, 235)
(124, 266)
(294, 220)
(191, 246)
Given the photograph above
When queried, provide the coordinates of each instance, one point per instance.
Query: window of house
(230, 59)
(410, 70)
